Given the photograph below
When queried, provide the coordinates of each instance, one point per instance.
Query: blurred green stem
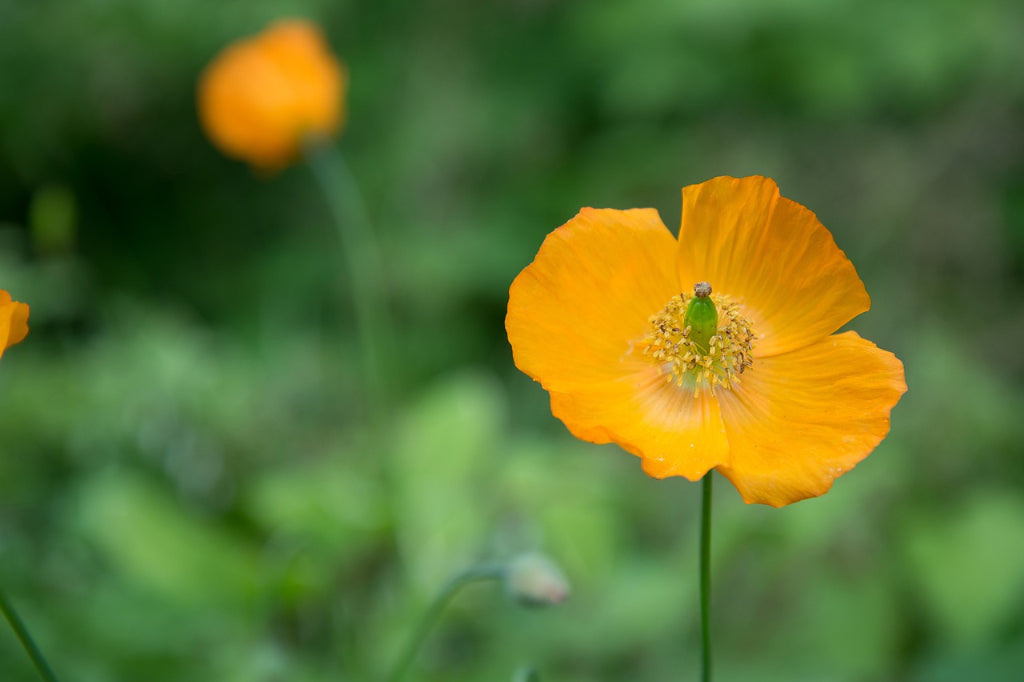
(526, 674)
(26, 640)
(705, 577)
(433, 612)
(362, 260)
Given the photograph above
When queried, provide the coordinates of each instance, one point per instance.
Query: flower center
(700, 341)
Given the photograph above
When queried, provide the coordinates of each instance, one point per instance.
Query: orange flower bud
(260, 96)
(13, 321)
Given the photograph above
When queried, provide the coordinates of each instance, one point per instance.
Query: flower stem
(26, 640)
(430, 616)
(362, 260)
(705, 578)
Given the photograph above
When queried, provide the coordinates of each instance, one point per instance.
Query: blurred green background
(188, 486)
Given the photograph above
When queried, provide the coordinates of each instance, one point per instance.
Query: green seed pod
(701, 317)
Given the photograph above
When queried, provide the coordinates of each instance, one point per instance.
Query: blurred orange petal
(13, 321)
(261, 96)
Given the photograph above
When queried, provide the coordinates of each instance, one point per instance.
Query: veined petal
(772, 256)
(573, 317)
(574, 312)
(674, 432)
(800, 420)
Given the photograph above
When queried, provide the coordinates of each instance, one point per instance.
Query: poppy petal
(19, 324)
(800, 420)
(674, 432)
(772, 256)
(573, 315)
(13, 321)
(591, 290)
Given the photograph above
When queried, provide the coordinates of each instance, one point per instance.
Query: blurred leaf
(563, 487)
(325, 503)
(968, 564)
(320, 515)
(158, 545)
(52, 219)
(844, 621)
(447, 444)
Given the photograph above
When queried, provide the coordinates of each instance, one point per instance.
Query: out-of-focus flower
(617, 320)
(534, 579)
(262, 95)
(13, 321)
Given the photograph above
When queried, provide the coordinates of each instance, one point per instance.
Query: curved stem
(26, 640)
(362, 260)
(705, 577)
(432, 613)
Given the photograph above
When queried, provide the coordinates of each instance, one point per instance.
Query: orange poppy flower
(261, 96)
(615, 320)
(13, 321)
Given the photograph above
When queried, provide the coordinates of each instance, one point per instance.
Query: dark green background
(188, 490)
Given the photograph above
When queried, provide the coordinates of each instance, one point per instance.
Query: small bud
(533, 579)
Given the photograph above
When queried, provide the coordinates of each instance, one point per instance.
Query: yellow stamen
(681, 359)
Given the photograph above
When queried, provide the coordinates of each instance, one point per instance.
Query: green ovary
(692, 349)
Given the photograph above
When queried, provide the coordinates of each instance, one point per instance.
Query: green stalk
(362, 261)
(432, 613)
(705, 578)
(27, 643)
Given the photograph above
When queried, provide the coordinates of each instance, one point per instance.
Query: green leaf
(968, 565)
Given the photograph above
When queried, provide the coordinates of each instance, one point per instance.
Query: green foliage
(189, 486)
(972, 594)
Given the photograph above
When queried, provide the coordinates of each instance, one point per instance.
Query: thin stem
(362, 260)
(705, 577)
(26, 640)
(432, 613)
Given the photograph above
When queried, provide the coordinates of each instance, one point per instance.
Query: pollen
(680, 358)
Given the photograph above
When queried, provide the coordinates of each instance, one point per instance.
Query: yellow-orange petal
(573, 316)
(259, 97)
(574, 311)
(800, 420)
(673, 432)
(772, 256)
(13, 321)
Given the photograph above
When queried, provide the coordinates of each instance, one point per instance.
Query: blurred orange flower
(749, 380)
(260, 96)
(13, 321)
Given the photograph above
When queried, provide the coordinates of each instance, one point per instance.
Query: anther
(690, 348)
